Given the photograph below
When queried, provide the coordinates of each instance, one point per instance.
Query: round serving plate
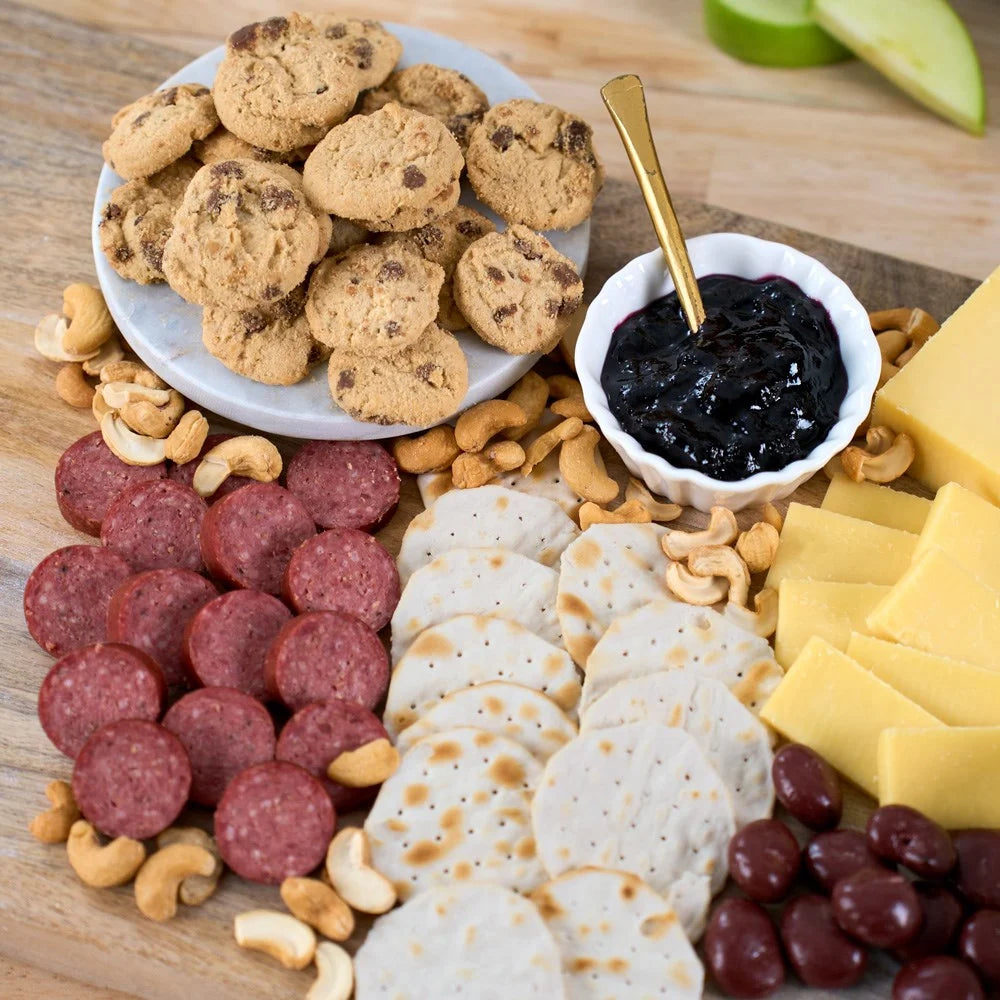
(165, 331)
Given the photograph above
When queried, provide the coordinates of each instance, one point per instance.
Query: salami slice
(94, 685)
(184, 473)
(226, 641)
(248, 537)
(151, 610)
(326, 654)
(156, 525)
(224, 731)
(318, 733)
(131, 779)
(274, 820)
(345, 484)
(89, 477)
(343, 570)
(66, 597)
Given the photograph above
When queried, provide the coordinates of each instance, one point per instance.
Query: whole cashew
(480, 423)
(758, 546)
(546, 443)
(721, 560)
(563, 386)
(658, 511)
(50, 340)
(73, 388)
(891, 343)
(53, 825)
(698, 590)
(772, 516)
(722, 530)
(133, 372)
(146, 417)
(90, 323)
(630, 512)
(277, 934)
(763, 621)
(920, 327)
(531, 393)
(582, 467)
(195, 889)
(430, 452)
(367, 765)
(97, 405)
(248, 455)
(349, 865)
(119, 394)
(317, 904)
(470, 470)
(889, 319)
(114, 863)
(160, 877)
(131, 448)
(111, 351)
(335, 975)
(572, 406)
(879, 467)
(185, 441)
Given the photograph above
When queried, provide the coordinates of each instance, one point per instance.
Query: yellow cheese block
(818, 607)
(957, 693)
(946, 398)
(967, 527)
(950, 774)
(819, 545)
(832, 704)
(940, 607)
(878, 504)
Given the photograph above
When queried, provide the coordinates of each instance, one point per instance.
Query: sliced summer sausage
(151, 610)
(248, 537)
(94, 685)
(226, 641)
(66, 597)
(131, 779)
(343, 570)
(326, 654)
(89, 477)
(345, 484)
(224, 731)
(274, 821)
(184, 473)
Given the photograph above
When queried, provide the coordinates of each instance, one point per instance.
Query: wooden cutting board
(59, 84)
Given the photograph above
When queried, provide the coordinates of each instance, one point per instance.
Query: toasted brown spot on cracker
(415, 795)
(445, 752)
(506, 771)
(431, 644)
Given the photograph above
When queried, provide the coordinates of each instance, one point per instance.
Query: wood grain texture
(59, 83)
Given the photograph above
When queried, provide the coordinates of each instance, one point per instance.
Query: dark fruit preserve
(756, 388)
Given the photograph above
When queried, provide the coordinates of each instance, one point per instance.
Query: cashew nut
(531, 393)
(470, 470)
(335, 975)
(146, 417)
(114, 863)
(546, 443)
(133, 372)
(277, 934)
(484, 421)
(581, 465)
(367, 765)
(572, 406)
(721, 560)
(563, 386)
(131, 448)
(111, 351)
(317, 904)
(758, 546)
(349, 865)
(722, 530)
(195, 889)
(248, 455)
(691, 589)
(763, 621)
(920, 327)
(772, 516)
(160, 878)
(630, 512)
(888, 319)
(121, 393)
(53, 825)
(658, 511)
(891, 343)
(879, 467)
(887, 370)
(90, 323)
(73, 387)
(50, 337)
(430, 452)
(97, 404)
(185, 441)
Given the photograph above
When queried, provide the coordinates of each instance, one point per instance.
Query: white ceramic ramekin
(645, 278)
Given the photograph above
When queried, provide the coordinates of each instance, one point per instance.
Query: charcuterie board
(49, 919)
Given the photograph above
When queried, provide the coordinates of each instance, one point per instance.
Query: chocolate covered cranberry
(764, 860)
(937, 978)
(942, 915)
(879, 908)
(742, 951)
(908, 837)
(820, 952)
(807, 786)
(977, 874)
(834, 855)
(979, 944)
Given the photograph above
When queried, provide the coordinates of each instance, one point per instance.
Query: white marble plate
(165, 331)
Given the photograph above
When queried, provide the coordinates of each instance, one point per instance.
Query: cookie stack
(309, 202)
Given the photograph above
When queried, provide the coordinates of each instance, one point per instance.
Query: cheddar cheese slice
(878, 504)
(832, 704)
(950, 774)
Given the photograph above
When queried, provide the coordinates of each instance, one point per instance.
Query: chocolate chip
(336, 31)
(574, 138)
(227, 168)
(503, 312)
(122, 254)
(502, 137)
(392, 328)
(139, 119)
(391, 270)
(112, 211)
(425, 371)
(253, 321)
(496, 274)
(271, 292)
(570, 305)
(322, 88)
(413, 177)
(345, 380)
(273, 198)
(153, 253)
(552, 307)
(243, 38)
(170, 97)
(216, 199)
(524, 248)
(429, 236)
(564, 274)
(363, 51)
(274, 27)
(469, 228)
(201, 91)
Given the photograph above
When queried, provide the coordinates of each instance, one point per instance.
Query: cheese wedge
(834, 705)
(946, 398)
(951, 775)
(940, 607)
(878, 504)
(819, 545)
(957, 693)
(967, 527)
(818, 607)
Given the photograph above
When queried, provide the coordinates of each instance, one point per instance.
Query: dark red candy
(978, 873)
(879, 908)
(908, 837)
(807, 786)
(979, 944)
(937, 978)
(834, 855)
(742, 950)
(942, 915)
(820, 952)
(764, 860)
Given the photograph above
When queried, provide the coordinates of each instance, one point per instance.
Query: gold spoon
(626, 101)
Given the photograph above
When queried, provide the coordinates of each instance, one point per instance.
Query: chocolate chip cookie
(323, 221)
(517, 291)
(443, 242)
(384, 168)
(138, 219)
(223, 145)
(534, 164)
(362, 44)
(445, 94)
(150, 133)
(244, 236)
(420, 385)
(375, 300)
(282, 83)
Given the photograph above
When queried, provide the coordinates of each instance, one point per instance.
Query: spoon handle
(626, 101)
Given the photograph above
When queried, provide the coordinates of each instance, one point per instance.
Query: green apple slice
(921, 45)
(770, 32)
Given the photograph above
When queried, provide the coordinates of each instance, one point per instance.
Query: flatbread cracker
(640, 952)
(474, 649)
(668, 635)
(485, 581)
(462, 942)
(458, 809)
(489, 516)
(608, 571)
(735, 742)
(520, 713)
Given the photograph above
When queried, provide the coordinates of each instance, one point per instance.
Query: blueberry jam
(756, 388)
